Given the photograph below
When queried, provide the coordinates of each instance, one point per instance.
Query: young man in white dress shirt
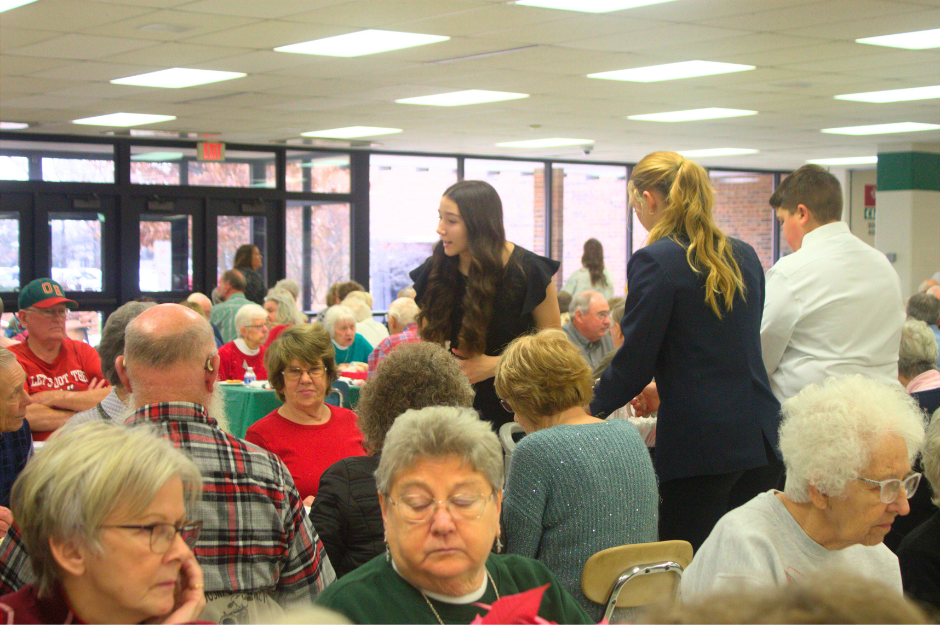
(833, 306)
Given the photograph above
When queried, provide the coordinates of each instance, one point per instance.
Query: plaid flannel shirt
(255, 535)
(386, 345)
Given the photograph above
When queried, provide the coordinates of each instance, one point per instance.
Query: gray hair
(168, 349)
(925, 307)
(335, 314)
(404, 310)
(112, 338)
(931, 456)
(582, 302)
(412, 376)
(290, 285)
(616, 313)
(287, 311)
(82, 476)
(830, 429)
(7, 358)
(918, 351)
(248, 313)
(438, 432)
(358, 306)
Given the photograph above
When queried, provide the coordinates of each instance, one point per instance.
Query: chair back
(629, 575)
(506, 439)
(337, 394)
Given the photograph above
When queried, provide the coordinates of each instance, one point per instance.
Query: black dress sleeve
(329, 513)
(538, 274)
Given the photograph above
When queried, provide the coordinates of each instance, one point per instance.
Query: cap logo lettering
(47, 288)
(57, 291)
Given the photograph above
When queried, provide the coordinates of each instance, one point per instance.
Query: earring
(499, 544)
(388, 553)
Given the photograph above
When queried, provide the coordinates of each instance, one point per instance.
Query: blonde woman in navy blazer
(692, 321)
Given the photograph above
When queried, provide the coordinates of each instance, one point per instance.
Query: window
(180, 166)
(318, 248)
(316, 172)
(57, 162)
(521, 187)
(405, 193)
(76, 250)
(742, 211)
(84, 326)
(9, 252)
(594, 205)
(166, 252)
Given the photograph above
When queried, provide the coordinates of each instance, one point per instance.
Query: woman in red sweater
(248, 349)
(306, 433)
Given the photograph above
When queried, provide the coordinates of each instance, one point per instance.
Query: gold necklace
(438, 616)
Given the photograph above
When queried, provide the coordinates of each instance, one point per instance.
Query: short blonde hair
(307, 343)
(543, 374)
(82, 476)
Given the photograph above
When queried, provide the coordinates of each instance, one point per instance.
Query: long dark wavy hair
(482, 214)
(593, 261)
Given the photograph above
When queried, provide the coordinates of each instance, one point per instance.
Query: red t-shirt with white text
(73, 370)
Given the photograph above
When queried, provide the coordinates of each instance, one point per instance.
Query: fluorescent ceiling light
(916, 40)
(672, 71)
(716, 152)
(361, 43)
(342, 162)
(351, 132)
(848, 160)
(13, 125)
(460, 98)
(157, 157)
(6, 5)
(178, 77)
(544, 143)
(692, 115)
(881, 129)
(894, 95)
(123, 119)
(589, 6)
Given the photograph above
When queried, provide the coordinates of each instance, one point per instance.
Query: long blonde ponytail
(687, 214)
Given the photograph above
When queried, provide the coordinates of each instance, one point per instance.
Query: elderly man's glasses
(50, 313)
(294, 373)
(420, 508)
(163, 534)
(891, 489)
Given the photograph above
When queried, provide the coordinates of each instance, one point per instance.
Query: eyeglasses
(162, 535)
(420, 508)
(891, 489)
(257, 327)
(50, 313)
(506, 406)
(293, 374)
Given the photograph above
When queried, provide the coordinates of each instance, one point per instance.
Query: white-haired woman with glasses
(350, 346)
(104, 515)
(248, 349)
(306, 433)
(848, 445)
(440, 489)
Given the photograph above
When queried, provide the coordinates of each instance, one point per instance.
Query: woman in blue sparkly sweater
(577, 484)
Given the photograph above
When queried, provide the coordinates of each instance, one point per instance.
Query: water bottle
(249, 376)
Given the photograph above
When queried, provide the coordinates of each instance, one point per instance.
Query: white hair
(404, 310)
(918, 351)
(335, 314)
(582, 302)
(931, 456)
(363, 295)
(290, 285)
(287, 311)
(359, 307)
(829, 431)
(248, 313)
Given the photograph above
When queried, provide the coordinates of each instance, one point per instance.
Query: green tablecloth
(244, 405)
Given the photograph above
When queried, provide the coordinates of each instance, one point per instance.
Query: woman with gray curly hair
(848, 445)
(440, 484)
(346, 510)
(282, 313)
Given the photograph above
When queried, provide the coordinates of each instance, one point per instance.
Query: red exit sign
(210, 151)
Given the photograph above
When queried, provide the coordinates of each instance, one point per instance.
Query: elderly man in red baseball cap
(62, 376)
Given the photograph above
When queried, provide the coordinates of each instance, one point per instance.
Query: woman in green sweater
(440, 489)
(577, 484)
